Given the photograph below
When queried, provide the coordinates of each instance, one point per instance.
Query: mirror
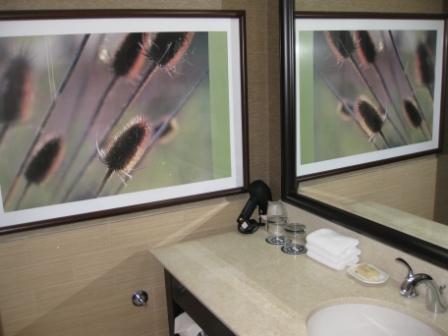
(352, 150)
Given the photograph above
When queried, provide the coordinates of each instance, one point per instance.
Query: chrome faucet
(435, 301)
(408, 286)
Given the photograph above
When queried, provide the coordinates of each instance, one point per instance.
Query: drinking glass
(276, 221)
(294, 239)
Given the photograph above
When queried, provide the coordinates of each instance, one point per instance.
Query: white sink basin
(365, 320)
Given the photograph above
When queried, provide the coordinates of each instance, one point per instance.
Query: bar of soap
(367, 274)
(367, 271)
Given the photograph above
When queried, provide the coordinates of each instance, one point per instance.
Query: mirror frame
(409, 244)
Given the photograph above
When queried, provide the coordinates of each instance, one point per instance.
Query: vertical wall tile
(84, 287)
(13, 253)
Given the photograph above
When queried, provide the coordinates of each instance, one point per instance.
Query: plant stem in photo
(46, 118)
(88, 73)
(124, 151)
(430, 41)
(165, 128)
(161, 63)
(344, 41)
(3, 130)
(42, 165)
(413, 115)
(370, 117)
(368, 55)
(346, 110)
(168, 129)
(397, 74)
(424, 68)
(127, 62)
(408, 81)
(16, 93)
(74, 113)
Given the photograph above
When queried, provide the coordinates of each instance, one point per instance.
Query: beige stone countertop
(255, 289)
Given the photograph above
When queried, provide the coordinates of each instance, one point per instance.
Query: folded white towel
(331, 242)
(347, 255)
(337, 266)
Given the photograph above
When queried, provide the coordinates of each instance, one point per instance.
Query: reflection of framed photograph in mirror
(368, 89)
(399, 237)
(109, 112)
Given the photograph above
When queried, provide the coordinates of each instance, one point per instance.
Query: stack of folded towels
(332, 249)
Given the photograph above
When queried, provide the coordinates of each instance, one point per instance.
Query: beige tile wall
(408, 185)
(395, 6)
(77, 279)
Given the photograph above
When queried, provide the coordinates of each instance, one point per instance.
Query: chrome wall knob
(140, 298)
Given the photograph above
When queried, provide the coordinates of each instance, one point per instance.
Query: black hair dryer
(260, 194)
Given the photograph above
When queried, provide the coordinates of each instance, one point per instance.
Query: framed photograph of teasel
(369, 90)
(118, 111)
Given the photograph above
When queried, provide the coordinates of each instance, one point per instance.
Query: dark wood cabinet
(180, 300)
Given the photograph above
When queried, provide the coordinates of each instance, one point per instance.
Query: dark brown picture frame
(238, 19)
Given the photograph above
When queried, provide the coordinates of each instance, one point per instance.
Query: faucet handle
(410, 270)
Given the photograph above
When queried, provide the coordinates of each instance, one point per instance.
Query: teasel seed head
(16, 91)
(126, 148)
(169, 133)
(365, 47)
(343, 112)
(168, 48)
(46, 160)
(424, 65)
(130, 57)
(370, 119)
(340, 43)
(411, 112)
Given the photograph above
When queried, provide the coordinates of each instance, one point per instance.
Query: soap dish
(367, 274)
